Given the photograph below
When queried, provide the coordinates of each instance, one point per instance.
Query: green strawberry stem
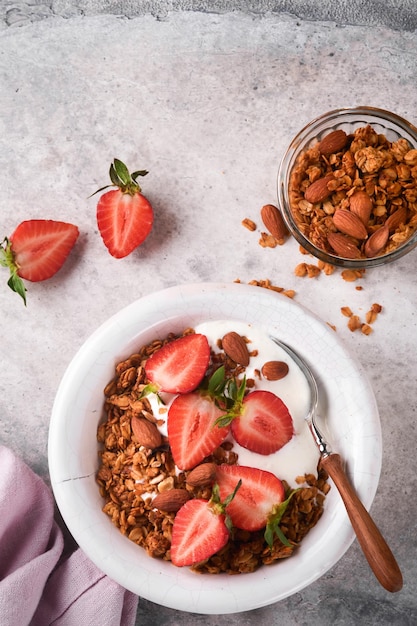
(7, 260)
(123, 179)
(274, 520)
(220, 508)
(233, 394)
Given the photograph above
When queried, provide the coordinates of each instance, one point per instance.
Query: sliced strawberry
(256, 498)
(36, 251)
(264, 424)
(192, 432)
(124, 215)
(199, 531)
(179, 366)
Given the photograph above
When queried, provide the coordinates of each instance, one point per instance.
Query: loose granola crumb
(327, 268)
(268, 241)
(307, 269)
(267, 284)
(249, 224)
(352, 275)
(301, 270)
(312, 270)
(354, 323)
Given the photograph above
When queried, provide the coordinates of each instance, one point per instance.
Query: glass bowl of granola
(347, 187)
(108, 464)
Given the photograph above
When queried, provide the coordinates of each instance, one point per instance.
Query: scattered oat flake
(332, 326)
(268, 241)
(354, 323)
(267, 284)
(370, 317)
(249, 224)
(326, 268)
(312, 270)
(366, 329)
(346, 311)
(301, 269)
(352, 275)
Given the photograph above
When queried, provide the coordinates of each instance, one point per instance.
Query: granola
(385, 171)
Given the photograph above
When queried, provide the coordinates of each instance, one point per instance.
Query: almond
(343, 246)
(274, 370)
(349, 224)
(274, 221)
(396, 219)
(377, 241)
(333, 142)
(202, 475)
(171, 501)
(235, 347)
(146, 433)
(361, 205)
(318, 191)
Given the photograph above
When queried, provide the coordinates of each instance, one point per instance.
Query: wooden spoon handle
(374, 546)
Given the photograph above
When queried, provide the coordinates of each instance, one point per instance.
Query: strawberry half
(180, 365)
(198, 533)
(124, 215)
(201, 528)
(263, 424)
(36, 251)
(256, 498)
(192, 430)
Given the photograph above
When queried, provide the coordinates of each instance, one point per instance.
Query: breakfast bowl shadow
(389, 125)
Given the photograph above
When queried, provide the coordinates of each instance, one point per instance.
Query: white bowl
(347, 405)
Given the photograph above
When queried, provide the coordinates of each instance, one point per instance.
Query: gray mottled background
(209, 94)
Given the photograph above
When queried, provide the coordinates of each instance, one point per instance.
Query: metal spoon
(374, 546)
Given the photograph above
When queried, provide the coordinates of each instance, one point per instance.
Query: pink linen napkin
(40, 584)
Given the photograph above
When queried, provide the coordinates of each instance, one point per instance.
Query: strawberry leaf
(234, 394)
(217, 382)
(274, 520)
(230, 497)
(114, 177)
(123, 179)
(16, 284)
(149, 389)
(139, 173)
(119, 170)
(7, 260)
(220, 507)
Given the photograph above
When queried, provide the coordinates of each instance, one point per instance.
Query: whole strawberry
(36, 251)
(124, 215)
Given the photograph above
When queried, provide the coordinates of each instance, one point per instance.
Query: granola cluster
(130, 475)
(386, 171)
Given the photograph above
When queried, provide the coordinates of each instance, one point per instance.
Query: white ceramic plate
(346, 402)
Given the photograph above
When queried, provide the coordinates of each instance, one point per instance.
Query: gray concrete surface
(207, 96)
(395, 14)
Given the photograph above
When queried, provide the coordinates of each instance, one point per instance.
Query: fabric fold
(39, 584)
